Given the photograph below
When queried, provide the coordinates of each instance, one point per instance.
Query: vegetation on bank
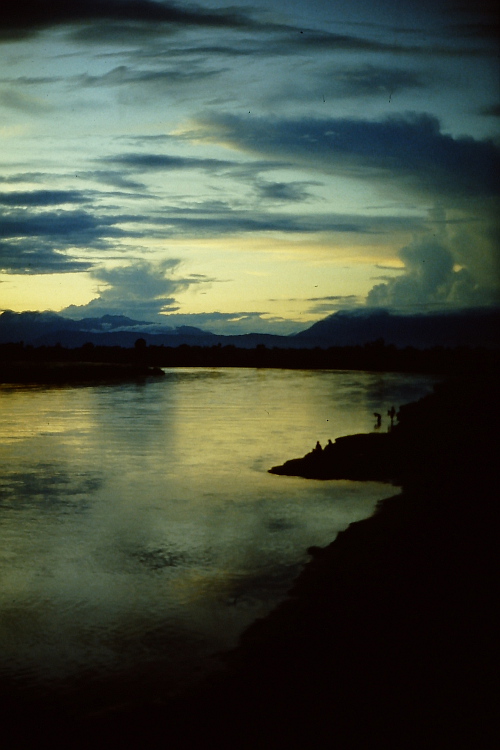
(59, 372)
(375, 356)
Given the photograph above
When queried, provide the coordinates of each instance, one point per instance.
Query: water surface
(140, 532)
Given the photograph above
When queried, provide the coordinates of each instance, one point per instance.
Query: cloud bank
(432, 280)
(410, 149)
(141, 290)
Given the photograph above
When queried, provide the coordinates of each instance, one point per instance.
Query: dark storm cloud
(106, 177)
(23, 177)
(24, 18)
(486, 31)
(78, 227)
(312, 39)
(372, 80)
(119, 21)
(153, 162)
(36, 242)
(123, 75)
(493, 111)
(41, 197)
(223, 219)
(410, 147)
(283, 192)
(480, 20)
(233, 222)
(115, 179)
(28, 257)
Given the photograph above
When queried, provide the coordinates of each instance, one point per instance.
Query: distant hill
(464, 328)
(353, 328)
(49, 329)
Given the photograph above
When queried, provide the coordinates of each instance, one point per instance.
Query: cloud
(22, 102)
(135, 21)
(235, 323)
(333, 303)
(77, 227)
(225, 219)
(409, 148)
(328, 308)
(144, 162)
(283, 192)
(42, 197)
(24, 18)
(27, 258)
(37, 236)
(125, 76)
(23, 177)
(371, 80)
(491, 111)
(432, 279)
(114, 179)
(140, 290)
(33, 241)
(327, 305)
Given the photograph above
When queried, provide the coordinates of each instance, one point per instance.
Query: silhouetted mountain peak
(479, 327)
(475, 327)
(191, 331)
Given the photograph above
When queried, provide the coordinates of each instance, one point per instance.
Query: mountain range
(476, 327)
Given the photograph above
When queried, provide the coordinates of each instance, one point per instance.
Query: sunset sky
(248, 166)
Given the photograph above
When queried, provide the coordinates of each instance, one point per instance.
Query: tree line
(375, 356)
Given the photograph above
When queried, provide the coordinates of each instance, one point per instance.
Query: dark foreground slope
(390, 635)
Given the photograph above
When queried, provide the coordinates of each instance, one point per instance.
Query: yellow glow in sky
(19, 292)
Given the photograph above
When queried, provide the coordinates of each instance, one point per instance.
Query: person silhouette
(392, 413)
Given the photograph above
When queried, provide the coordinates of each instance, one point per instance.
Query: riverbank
(390, 635)
(72, 373)
(364, 457)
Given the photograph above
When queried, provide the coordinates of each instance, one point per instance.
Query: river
(140, 532)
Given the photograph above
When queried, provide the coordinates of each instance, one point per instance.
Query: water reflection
(47, 486)
(139, 529)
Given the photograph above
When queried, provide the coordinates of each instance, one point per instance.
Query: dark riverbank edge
(372, 457)
(389, 636)
(73, 373)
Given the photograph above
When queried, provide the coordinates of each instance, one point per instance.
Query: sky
(248, 166)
